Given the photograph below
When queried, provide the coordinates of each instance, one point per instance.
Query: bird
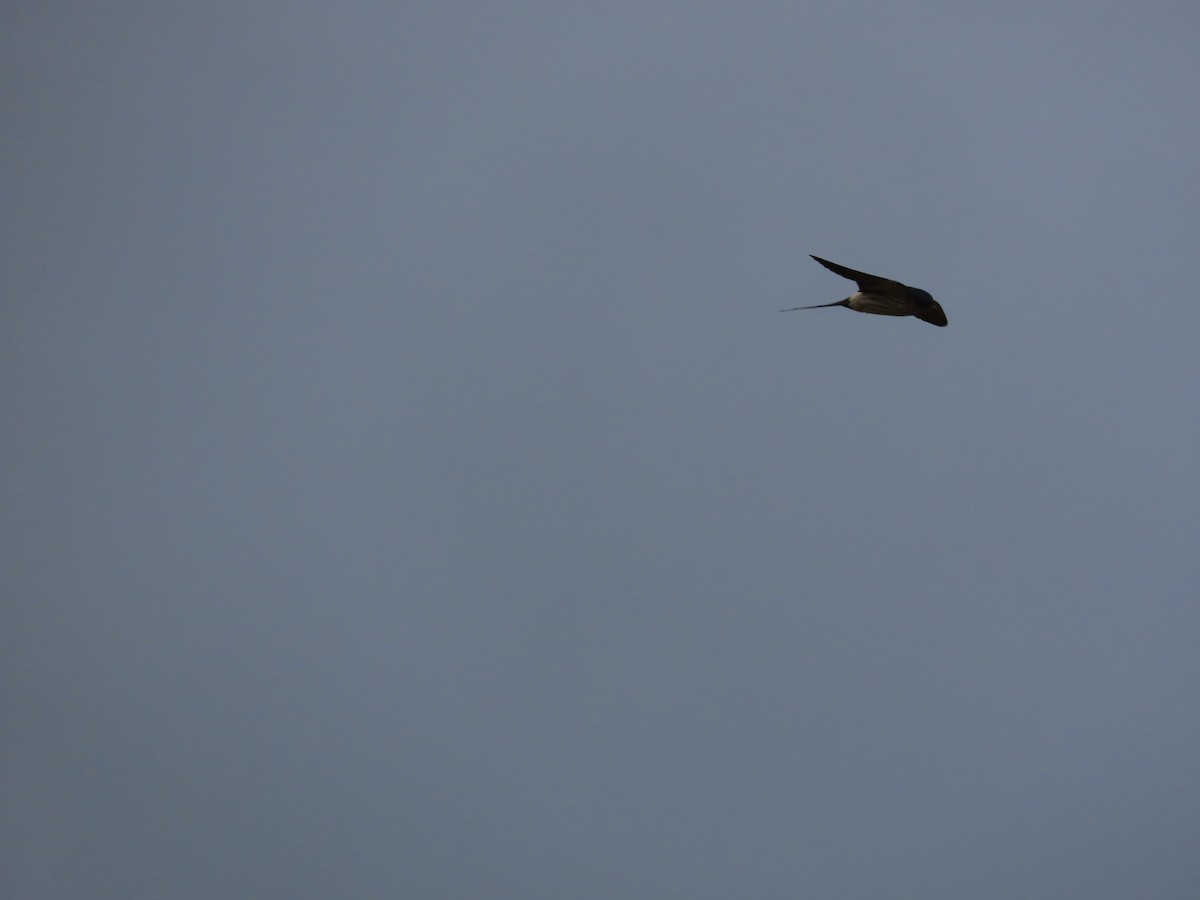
(883, 297)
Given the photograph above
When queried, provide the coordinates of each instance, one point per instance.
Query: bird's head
(927, 309)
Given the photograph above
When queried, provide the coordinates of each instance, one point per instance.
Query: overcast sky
(411, 489)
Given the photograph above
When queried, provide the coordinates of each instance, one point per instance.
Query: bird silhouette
(882, 296)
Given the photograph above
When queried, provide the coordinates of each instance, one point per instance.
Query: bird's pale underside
(883, 297)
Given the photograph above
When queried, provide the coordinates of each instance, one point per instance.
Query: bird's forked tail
(845, 302)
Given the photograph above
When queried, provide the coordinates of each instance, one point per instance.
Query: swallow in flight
(883, 297)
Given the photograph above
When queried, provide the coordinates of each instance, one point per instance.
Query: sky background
(409, 487)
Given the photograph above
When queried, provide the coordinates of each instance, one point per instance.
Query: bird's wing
(868, 284)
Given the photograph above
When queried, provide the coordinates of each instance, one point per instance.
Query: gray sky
(410, 488)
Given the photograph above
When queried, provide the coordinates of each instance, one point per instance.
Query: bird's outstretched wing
(868, 284)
